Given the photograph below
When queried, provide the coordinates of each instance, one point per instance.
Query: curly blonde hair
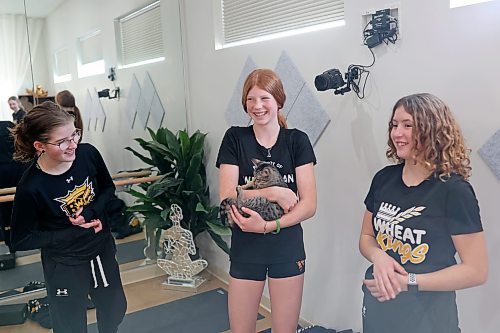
(437, 137)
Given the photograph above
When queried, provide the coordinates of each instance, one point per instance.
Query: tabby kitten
(264, 175)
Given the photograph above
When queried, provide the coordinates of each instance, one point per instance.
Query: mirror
(62, 25)
(15, 65)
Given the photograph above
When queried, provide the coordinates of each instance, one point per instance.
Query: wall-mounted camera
(333, 79)
(109, 93)
(112, 74)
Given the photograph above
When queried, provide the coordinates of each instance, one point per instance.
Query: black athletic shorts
(258, 272)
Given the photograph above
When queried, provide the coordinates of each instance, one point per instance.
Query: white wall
(452, 53)
(75, 19)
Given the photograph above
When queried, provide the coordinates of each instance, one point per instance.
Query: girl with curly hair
(419, 213)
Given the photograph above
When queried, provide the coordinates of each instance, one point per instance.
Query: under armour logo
(62, 292)
(364, 311)
(69, 179)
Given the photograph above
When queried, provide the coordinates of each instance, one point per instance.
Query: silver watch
(412, 282)
(412, 279)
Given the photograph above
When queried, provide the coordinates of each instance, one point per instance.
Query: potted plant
(179, 161)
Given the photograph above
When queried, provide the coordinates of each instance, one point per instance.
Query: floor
(141, 295)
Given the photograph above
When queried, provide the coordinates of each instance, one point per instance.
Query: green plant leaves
(179, 159)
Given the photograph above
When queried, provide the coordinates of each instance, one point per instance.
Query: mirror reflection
(80, 58)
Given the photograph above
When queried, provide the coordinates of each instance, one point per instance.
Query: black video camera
(330, 79)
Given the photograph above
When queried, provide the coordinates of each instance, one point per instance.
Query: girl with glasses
(59, 208)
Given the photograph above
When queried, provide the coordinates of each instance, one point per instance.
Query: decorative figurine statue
(179, 243)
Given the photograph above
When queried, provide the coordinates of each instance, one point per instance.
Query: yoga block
(13, 314)
(7, 261)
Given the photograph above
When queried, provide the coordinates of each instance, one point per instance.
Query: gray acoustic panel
(293, 82)
(88, 110)
(308, 115)
(133, 97)
(99, 112)
(490, 152)
(235, 115)
(302, 108)
(157, 112)
(147, 94)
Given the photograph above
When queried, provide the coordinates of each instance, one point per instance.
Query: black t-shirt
(291, 150)
(44, 202)
(414, 225)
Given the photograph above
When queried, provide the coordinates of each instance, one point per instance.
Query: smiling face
(261, 106)
(53, 153)
(14, 105)
(402, 134)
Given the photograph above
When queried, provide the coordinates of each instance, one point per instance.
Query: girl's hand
(386, 272)
(254, 223)
(77, 219)
(96, 224)
(372, 286)
(284, 197)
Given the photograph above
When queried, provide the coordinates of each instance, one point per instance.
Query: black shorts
(258, 272)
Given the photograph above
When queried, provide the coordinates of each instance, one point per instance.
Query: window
(90, 60)
(460, 3)
(140, 36)
(245, 22)
(61, 66)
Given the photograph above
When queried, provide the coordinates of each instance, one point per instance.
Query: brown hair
(13, 98)
(436, 134)
(67, 102)
(37, 126)
(267, 80)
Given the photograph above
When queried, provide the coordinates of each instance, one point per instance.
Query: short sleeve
(302, 150)
(370, 196)
(462, 208)
(228, 151)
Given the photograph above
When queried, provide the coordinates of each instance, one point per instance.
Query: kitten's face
(263, 172)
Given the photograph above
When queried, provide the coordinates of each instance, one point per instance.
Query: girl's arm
(304, 209)
(470, 272)
(385, 268)
(228, 180)
(25, 233)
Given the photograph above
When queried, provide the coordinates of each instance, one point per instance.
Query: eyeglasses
(65, 143)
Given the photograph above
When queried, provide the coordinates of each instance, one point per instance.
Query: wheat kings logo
(79, 196)
(405, 241)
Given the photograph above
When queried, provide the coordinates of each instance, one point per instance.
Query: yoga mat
(21, 275)
(202, 313)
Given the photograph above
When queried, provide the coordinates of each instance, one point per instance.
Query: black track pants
(68, 288)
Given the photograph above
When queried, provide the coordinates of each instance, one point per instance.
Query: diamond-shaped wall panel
(292, 81)
(235, 115)
(87, 113)
(133, 97)
(490, 152)
(157, 112)
(308, 115)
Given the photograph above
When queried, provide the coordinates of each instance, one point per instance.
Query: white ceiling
(35, 8)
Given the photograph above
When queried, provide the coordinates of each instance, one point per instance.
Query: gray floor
(21, 275)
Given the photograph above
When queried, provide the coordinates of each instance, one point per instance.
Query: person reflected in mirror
(272, 250)
(66, 101)
(419, 213)
(59, 208)
(11, 172)
(18, 112)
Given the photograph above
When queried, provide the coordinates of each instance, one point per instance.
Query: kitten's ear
(255, 161)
